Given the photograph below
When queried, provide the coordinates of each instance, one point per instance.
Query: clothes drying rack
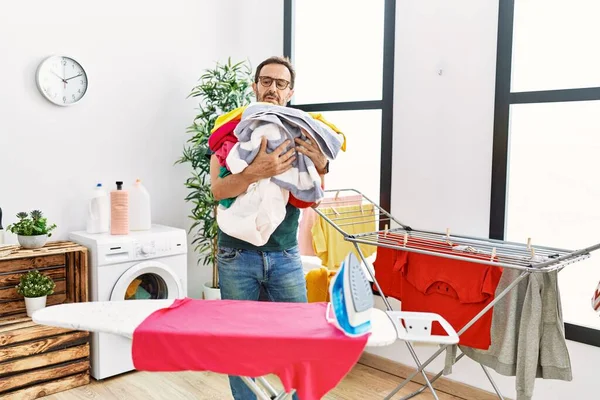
(393, 234)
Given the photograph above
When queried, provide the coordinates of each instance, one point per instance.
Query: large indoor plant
(35, 287)
(219, 90)
(32, 229)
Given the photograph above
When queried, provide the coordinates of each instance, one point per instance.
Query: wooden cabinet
(37, 360)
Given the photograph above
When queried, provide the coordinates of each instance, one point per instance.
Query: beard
(272, 97)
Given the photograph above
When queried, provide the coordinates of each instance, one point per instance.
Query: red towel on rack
(455, 289)
(249, 338)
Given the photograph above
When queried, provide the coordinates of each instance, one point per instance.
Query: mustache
(273, 94)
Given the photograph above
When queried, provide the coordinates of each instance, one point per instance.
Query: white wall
(443, 130)
(141, 58)
(259, 29)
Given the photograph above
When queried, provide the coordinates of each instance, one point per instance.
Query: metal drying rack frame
(499, 253)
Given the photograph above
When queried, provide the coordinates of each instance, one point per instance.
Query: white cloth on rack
(527, 335)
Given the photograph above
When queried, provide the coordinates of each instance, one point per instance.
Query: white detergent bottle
(98, 213)
(139, 207)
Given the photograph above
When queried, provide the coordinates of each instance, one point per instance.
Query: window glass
(338, 50)
(553, 191)
(555, 45)
(358, 167)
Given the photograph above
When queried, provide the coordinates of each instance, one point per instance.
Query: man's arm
(230, 186)
(311, 150)
(322, 176)
(265, 165)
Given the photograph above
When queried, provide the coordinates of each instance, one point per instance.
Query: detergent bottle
(139, 207)
(98, 212)
(119, 211)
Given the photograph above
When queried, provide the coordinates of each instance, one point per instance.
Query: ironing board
(123, 317)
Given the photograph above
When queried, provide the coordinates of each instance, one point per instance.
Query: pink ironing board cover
(248, 338)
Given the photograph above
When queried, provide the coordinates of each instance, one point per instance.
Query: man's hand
(310, 149)
(266, 165)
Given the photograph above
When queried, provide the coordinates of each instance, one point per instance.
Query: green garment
(223, 172)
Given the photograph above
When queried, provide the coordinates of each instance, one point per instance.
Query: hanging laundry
(329, 244)
(309, 216)
(255, 214)
(387, 266)
(455, 289)
(527, 335)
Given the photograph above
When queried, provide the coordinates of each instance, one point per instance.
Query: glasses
(267, 81)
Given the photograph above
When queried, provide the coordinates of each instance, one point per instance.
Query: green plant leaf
(219, 90)
(30, 224)
(35, 284)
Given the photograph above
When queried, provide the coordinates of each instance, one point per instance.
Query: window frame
(386, 104)
(504, 98)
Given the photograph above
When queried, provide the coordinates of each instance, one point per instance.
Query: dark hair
(277, 60)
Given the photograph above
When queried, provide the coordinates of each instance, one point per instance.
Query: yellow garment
(317, 284)
(132, 288)
(319, 117)
(329, 244)
(237, 114)
(230, 116)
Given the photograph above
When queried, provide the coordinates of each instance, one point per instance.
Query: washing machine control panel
(155, 247)
(138, 246)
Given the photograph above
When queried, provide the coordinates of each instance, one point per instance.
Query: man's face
(270, 80)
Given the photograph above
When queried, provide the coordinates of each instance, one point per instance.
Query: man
(275, 267)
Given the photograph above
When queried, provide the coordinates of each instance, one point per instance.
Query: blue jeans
(244, 274)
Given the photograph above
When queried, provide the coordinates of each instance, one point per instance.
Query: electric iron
(351, 298)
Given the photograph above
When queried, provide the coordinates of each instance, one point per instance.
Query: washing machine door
(147, 280)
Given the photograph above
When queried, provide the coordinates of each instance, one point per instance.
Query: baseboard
(454, 388)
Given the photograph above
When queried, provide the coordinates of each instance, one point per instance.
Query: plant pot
(32, 242)
(34, 303)
(211, 293)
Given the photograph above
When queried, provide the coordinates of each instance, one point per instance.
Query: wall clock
(61, 80)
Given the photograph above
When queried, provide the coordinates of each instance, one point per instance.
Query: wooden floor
(362, 383)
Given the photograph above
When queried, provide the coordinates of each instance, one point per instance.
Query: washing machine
(148, 264)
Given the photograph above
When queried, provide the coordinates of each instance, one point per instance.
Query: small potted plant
(35, 287)
(32, 229)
